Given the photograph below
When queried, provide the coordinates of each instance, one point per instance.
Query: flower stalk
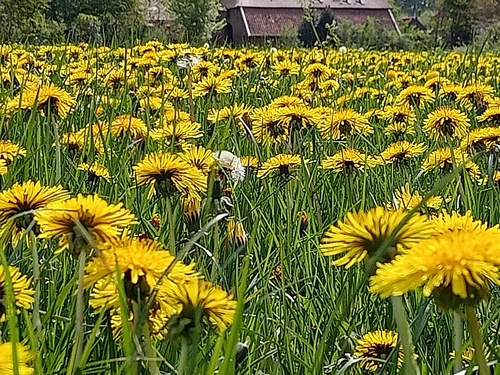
(410, 365)
(477, 340)
(457, 340)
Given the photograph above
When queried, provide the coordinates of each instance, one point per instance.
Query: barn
(254, 20)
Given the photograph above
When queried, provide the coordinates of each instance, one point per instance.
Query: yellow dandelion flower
(104, 222)
(235, 111)
(191, 212)
(491, 115)
(298, 116)
(446, 122)
(199, 295)
(405, 198)
(317, 72)
(286, 101)
(178, 131)
(126, 124)
(24, 357)
(374, 348)
(142, 263)
(51, 98)
(361, 234)
(3, 167)
(348, 159)
(9, 151)
(401, 120)
(286, 68)
(267, 128)
(170, 173)
(283, 163)
(343, 123)
(23, 291)
(199, 157)
(212, 85)
(481, 139)
(250, 161)
(453, 267)
(456, 222)
(476, 96)
(236, 232)
(468, 354)
(95, 171)
(415, 96)
(19, 203)
(401, 152)
(444, 158)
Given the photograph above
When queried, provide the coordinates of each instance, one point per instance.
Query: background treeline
(447, 23)
(424, 24)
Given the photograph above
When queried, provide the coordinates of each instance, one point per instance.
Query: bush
(317, 28)
(373, 35)
(198, 20)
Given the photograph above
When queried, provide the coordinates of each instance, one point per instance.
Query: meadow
(169, 209)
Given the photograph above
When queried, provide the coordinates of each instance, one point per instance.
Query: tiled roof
(271, 22)
(334, 4)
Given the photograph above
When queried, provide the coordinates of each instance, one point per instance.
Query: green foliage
(289, 37)
(14, 20)
(373, 35)
(69, 10)
(317, 28)
(458, 19)
(197, 20)
(306, 32)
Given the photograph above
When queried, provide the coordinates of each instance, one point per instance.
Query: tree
(316, 27)
(67, 11)
(306, 32)
(13, 16)
(198, 20)
(457, 20)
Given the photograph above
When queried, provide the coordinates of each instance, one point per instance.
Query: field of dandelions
(166, 209)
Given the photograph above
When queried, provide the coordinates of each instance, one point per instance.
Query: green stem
(190, 92)
(410, 366)
(184, 357)
(80, 306)
(216, 252)
(10, 304)
(215, 355)
(37, 323)
(58, 151)
(477, 340)
(149, 350)
(457, 340)
(171, 226)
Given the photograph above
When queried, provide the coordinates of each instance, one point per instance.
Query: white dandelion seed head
(229, 161)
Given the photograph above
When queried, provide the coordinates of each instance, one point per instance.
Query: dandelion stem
(79, 308)
(37, 323)
(150, 352)
(10, 305)
(410, 366)
(184, 357)
(58, 151)
(190, 92)
(457, 340)
(215, 355)
(477, 340)
(171, 226)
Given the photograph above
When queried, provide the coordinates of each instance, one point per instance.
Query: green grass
(302, 322)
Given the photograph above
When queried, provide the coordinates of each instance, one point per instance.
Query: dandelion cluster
(175, 195)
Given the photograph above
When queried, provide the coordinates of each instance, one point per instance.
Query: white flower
(230, 162)
(188, 61)
(343, 49)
